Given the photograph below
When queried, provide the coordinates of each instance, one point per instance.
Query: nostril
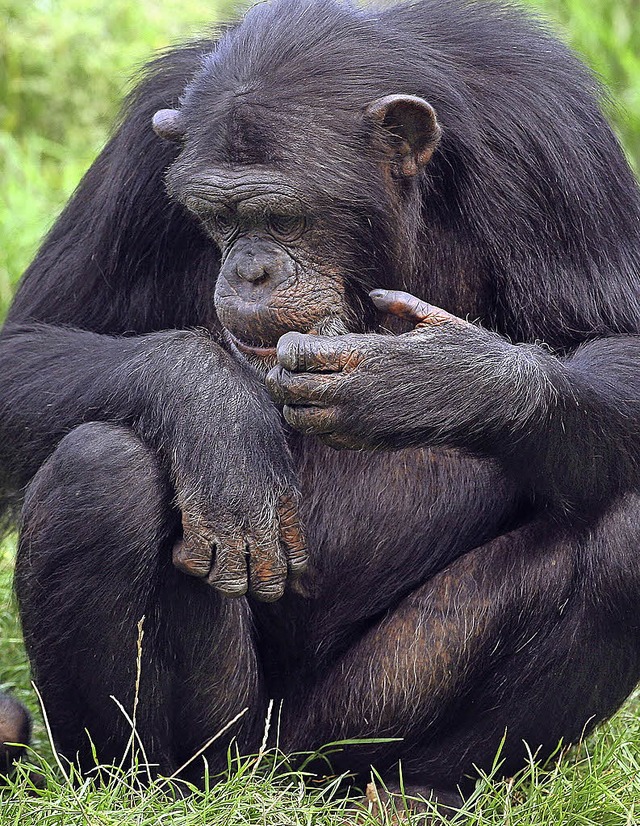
(252, 271)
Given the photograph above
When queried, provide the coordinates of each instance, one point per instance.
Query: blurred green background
(65, 65)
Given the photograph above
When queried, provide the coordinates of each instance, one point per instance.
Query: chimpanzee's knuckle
(292, 415)
(267, 564)
(309, 389)
(291, 351)
(269, 592)
(288, 340)
(229, 573)
(230, 587)
(325, 351)
(232, 582)
(268, 585)
(298, 560)
(293, 538)
(301, 418)
(192, 560)
(281, 384)
(193, 553)
(353, 359)
(296, 390)
(273, 379)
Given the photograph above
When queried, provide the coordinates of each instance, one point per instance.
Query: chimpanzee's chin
(260, 364)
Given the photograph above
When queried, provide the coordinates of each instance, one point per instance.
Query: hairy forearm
(569, 429)
(567, 432)
(53, 379)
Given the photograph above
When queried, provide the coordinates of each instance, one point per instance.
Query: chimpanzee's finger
(300, 388)
(229, 572)
(193, 554)
(302, 353)
(267, 568)
(292, 536)
(192, 558)
(407, 306)
(311, 420)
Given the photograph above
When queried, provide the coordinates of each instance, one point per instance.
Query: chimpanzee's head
(304, 183)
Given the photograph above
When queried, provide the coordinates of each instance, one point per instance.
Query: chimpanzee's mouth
(264, 354)
(251, 348)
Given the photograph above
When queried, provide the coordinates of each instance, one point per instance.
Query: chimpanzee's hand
(447, 382)
(236, 489)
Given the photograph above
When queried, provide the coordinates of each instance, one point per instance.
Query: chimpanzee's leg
(94, 561)
(536, 635)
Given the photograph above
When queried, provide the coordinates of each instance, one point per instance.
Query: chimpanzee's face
(293, 209)
(278, 271)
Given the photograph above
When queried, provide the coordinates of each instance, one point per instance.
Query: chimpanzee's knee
(94, 518)
(100, 481)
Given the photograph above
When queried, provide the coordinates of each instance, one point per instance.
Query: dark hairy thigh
(100, 600)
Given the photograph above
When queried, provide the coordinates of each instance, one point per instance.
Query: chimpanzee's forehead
(234, 128)
(245, 124)
(271, 88)
(307, 150)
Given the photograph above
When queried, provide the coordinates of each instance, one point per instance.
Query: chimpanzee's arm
(212, 424)
(567, 431)
(120, 262)
(53, 379)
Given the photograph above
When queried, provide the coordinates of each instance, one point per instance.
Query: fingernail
(379, 293)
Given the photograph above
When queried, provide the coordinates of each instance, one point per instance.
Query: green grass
(606, 34)
(64, 65)
(595, 786)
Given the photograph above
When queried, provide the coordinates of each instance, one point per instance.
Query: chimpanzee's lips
(252, 349)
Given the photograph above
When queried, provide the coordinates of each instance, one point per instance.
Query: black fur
(452, 593)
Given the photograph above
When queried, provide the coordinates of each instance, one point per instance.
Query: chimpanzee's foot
(391, 805)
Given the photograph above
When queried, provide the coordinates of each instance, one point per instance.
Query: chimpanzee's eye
(223, 223)
(287, 227)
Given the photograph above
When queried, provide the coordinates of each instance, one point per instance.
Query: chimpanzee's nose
(253, 270)
(260, 267)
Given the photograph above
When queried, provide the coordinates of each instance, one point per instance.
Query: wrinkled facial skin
(278, 273)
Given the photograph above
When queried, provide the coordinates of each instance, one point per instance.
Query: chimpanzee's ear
(169, 124)
(407, 130)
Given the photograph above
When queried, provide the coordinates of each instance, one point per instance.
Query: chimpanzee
(233, 295)
(15, 729)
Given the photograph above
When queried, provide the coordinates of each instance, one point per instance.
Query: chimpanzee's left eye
(287, 227)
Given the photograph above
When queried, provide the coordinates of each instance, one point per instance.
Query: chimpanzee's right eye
(223, 223)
